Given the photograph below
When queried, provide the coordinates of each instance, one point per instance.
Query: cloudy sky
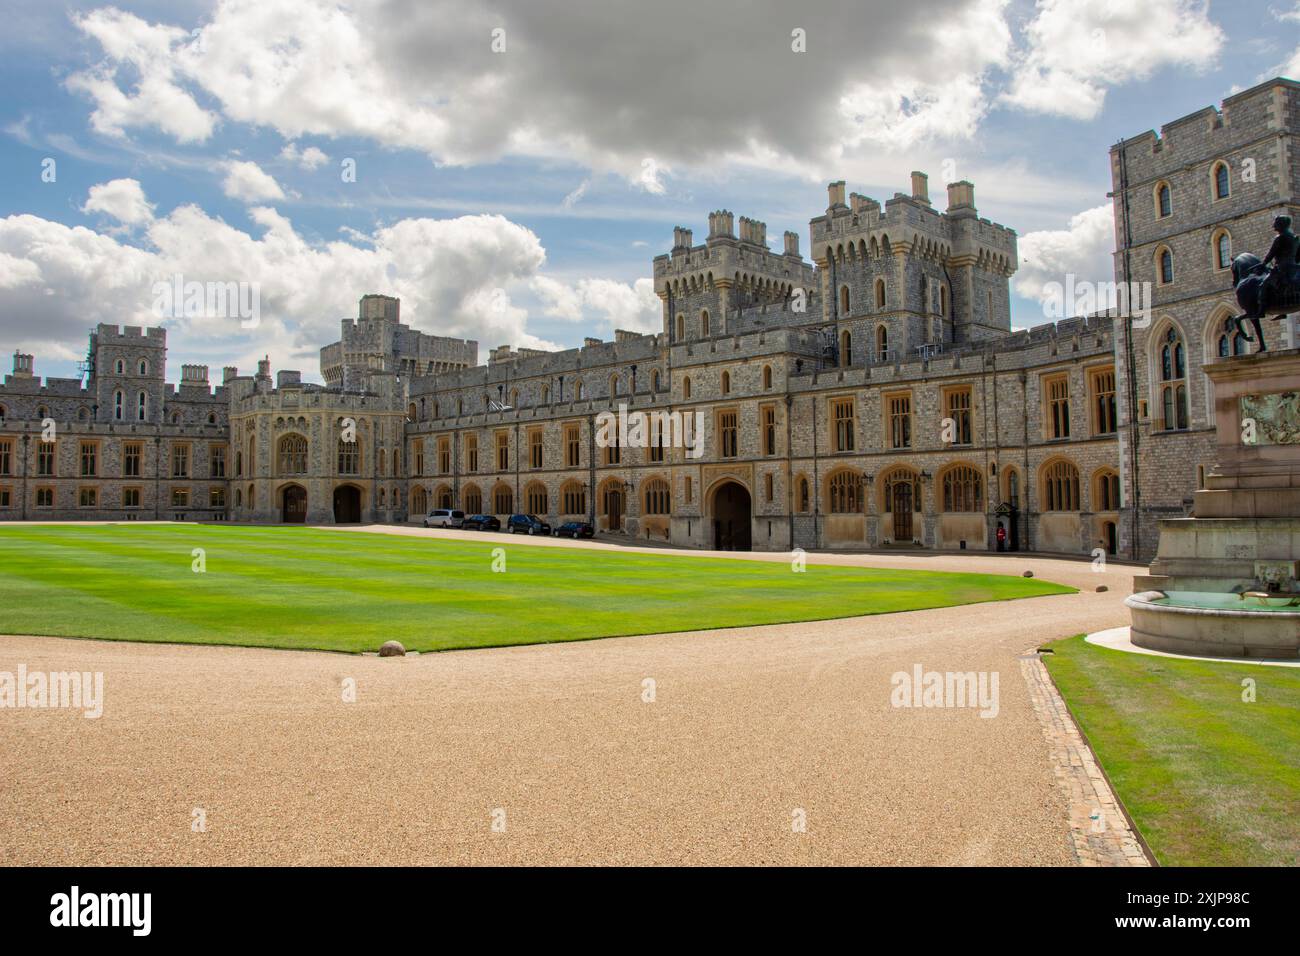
(509, 167)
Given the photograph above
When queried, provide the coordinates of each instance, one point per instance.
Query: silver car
(444, 518)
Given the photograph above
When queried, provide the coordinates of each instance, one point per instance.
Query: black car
(530, 524)
(575, 530)
(482, 523)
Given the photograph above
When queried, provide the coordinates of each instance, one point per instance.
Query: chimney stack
(920, 186)
(22, 365)
(792, 244)
(836, 193)
(961, 195)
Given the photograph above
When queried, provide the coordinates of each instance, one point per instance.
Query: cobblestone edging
(1099, 830)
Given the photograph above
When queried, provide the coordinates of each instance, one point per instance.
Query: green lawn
(332, 590)
(1209, 779)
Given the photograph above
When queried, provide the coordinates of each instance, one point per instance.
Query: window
(132, 452)
(120, 367)
(535, 448)
(657, 437)
(471, 453)
(769, 429)
(846, 348)
(141, 406)
(726, 383)
(1102, 384)
(180, 497)
(536, 499)
(1222, 250)
(844, 300)
(45, 459)
(613, 385)
(882, 343)
(1105, 491)
(963, 489)
(1060, 487)
(472, 498)
(45, 497)
(118, 405)
(503, 451)
(681, 327)
(444, 455)
(572, 448)
(1056, 389)
(1173, 381)
(1236, 344)
(613, 450)
(292, 457)
(843, 490)
(657, 498)
(727, 433)
(880, 293)
(1222, 181)
(579, 390)
(842, 423)
(181, 461)
(217, 461)
(958, 406)
(686, 387)
(6, 457)
(687, 492)
(503, 500)
(130, 497)
(899, 410)
(704, 323)
(216, 497)
(574, 497)
(6, 498)
(1164, 201)
(803, 494)
(1013, 487)
(767, 376)
(1165, 260)
(87, 498)
(89, 455)
(768, 487)
(901, 487)
(348, 457)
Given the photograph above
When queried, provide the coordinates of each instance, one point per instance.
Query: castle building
(873, 397)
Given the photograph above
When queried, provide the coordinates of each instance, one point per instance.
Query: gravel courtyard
(765, 745)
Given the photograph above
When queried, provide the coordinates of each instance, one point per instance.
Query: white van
(444, 518)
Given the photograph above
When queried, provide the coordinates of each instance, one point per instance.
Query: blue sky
(519, 195)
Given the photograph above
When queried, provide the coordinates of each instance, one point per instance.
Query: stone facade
(873, 397)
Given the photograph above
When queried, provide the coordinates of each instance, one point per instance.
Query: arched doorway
(614, 507)
(347, 504)
(731, 517)
(293, 504)
(1112, 537)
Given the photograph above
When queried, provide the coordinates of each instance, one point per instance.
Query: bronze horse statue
(1260, 297)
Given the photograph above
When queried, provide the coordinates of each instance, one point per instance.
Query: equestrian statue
(1267, 287)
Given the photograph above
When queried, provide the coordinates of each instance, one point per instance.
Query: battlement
(134, 335)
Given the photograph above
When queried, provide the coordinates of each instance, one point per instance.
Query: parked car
(482, 523)
(530, 524)
(575, 530)
(444, 518)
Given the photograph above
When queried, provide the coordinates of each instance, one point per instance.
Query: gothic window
(1060, 487)
(963, 489)
(1173, 382)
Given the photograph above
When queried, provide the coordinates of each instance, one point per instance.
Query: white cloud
(612, 304)
(1077, 49)
(1082, 250)
(309, 158)
(455, 277)
(123, 199)
(248, 182)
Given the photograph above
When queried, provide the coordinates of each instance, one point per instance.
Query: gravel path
(550, 754)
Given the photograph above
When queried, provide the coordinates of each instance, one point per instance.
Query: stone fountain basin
(1214, 624)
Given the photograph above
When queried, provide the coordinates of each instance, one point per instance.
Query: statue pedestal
(1244, 533)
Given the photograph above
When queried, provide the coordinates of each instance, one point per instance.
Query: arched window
(239, 465)
(613, 384)
(1173, 381)
(1164, 200)
(546, 394)
(535, 496)
(803, 494)
(1236, 344)
(503, 500)
(348, 457)
(1222, 250)
(141, 406)
(143, 367)
(1222, 181)
(1105, 490)
(963, 489)
(239, 497)
(1013, 487)
(1165, 262)
(573, 498)
(900, 485)
(118, 402)
(1060, 487)
(767, 376)
(472, 498)
(704, 323)
(657, 497)
(579, 390)
(120, 367)
(880, 293)
(411, 413)
(844, 300)
(843, 488)
(686, 387)
(681, 327)
(419, 500)
(292, 455)
(943, 300)
(882, 343)
(726, 383)
(846, 348)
